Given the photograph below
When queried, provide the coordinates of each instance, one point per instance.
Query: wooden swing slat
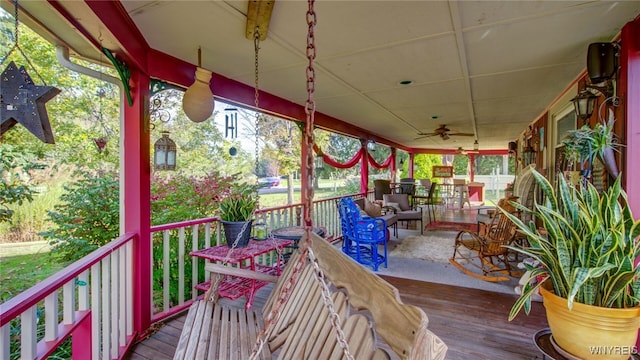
(304, 329)
(398, 324)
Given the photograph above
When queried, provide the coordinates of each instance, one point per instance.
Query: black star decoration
(22, 101)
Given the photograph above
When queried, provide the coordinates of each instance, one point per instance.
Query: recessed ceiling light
(406, 82)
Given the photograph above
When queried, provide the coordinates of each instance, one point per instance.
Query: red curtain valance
(384, 165)
(331, 162)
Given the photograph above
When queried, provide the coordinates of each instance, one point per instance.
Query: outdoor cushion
(401, 199)
(372, 209)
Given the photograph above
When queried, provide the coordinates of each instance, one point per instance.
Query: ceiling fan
(442, 131)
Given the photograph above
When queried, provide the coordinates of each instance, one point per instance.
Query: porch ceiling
(484, 67)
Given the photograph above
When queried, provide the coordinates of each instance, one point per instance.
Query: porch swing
(323, 306)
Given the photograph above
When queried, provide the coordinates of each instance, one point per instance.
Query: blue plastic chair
(371, 233)
(346, 207)
(362, 235)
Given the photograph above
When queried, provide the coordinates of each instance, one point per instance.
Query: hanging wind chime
(21, 100)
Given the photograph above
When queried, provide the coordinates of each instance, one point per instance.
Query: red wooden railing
(96, 308)
(97, 290)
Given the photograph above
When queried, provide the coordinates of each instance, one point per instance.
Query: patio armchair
(404, 211)
(381, 187)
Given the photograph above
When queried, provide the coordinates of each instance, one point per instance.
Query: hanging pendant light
(164, 157)
(197, 101)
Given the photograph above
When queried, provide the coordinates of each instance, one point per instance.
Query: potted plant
(587, 275)
(587, 144)
(236, 211)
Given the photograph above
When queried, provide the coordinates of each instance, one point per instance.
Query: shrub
(86, 218)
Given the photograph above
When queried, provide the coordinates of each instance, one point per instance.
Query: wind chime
(21, 100)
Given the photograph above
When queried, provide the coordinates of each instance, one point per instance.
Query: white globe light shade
(197, 101)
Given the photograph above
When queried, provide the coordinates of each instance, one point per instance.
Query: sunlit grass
(20, 272)
(31, 217)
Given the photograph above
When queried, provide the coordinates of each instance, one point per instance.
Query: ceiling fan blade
(462, 134)
(424, 135)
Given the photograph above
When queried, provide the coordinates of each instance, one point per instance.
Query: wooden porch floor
(472, 322)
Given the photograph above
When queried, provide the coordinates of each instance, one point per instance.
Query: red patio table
(233, 287)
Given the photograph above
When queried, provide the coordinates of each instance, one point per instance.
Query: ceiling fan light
(197, 101)
(445, 136)
(476, 146)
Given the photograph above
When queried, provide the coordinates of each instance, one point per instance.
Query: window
(563, 125)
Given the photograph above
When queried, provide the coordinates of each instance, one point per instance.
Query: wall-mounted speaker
(602, 61)
(513, 146)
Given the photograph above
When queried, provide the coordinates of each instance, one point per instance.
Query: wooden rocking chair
(486, 250)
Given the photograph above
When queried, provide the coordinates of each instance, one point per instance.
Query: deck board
(472, 322)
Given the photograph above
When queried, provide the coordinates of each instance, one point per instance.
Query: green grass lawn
(20, 272)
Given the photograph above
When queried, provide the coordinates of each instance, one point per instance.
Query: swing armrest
(260, 274)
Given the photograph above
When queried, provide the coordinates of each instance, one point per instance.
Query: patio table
(233, 287)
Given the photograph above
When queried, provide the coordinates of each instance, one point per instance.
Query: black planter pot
(233, 228)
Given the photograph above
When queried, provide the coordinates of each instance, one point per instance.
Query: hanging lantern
(584, 103)
(197, 101)
(164, 157)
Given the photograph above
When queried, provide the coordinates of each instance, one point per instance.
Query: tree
(14, 179)
(424, 164)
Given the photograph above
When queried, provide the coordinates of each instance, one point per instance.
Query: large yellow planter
(592, 332)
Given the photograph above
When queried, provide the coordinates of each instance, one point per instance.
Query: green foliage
(586, 143)
(460, 164)
(351, 186)
(86, 218)
(14, 176)
(238, 202)
(424, 164)
(589, 248)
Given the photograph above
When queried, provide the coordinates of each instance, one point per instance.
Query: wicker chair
(484, 255)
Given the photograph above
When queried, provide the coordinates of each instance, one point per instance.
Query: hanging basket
(609, 161)
(233, 228)
(101, 143)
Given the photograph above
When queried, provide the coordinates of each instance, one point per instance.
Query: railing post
(80, 338)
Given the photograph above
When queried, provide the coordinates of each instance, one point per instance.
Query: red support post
(136, 180)
(393, 167)
(630, 92)
(472, 172)
(412, 157)
(630, 88)
(364, 169)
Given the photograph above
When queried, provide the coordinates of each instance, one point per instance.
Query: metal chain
(256, 95)
(16, 43)
(212, 293)
(284, 293)
(310, 108)
(336, 323)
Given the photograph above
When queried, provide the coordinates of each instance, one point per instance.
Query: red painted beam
(455, 152)
(179, 72)
(134, 47)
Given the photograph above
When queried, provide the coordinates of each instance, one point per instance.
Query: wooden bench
(367, 306)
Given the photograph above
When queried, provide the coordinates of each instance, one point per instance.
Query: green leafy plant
(14, 189)
(238, 202)
(587, 144)
(587, 249)
(86, 218)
